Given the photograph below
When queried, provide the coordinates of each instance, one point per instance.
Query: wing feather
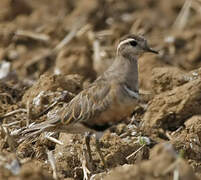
(87, 104)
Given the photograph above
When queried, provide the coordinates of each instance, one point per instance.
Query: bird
(109, 99)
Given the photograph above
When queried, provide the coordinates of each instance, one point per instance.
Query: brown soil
(38, 68)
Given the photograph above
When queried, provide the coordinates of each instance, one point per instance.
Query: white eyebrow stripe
(131, 93)
(124, 42)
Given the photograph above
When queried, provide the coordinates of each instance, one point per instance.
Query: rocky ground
(50, 50)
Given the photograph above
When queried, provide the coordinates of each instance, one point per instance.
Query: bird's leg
(87, 137)
(85, 164)
(100, 152)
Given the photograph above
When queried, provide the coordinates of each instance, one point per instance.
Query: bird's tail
(36, 129)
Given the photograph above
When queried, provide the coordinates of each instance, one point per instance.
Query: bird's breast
(120, 107)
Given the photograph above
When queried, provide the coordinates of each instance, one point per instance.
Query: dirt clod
(161, 166)
(171, 108)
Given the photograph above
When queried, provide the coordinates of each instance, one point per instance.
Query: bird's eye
(133, 43)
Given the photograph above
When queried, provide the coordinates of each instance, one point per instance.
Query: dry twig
(182, 18)
(131, 155)
(59, 99)
(32, 35)
(54, 140)
(49, 53)
(52, 163)
(13, 112)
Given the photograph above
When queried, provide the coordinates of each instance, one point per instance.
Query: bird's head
(133, 45)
